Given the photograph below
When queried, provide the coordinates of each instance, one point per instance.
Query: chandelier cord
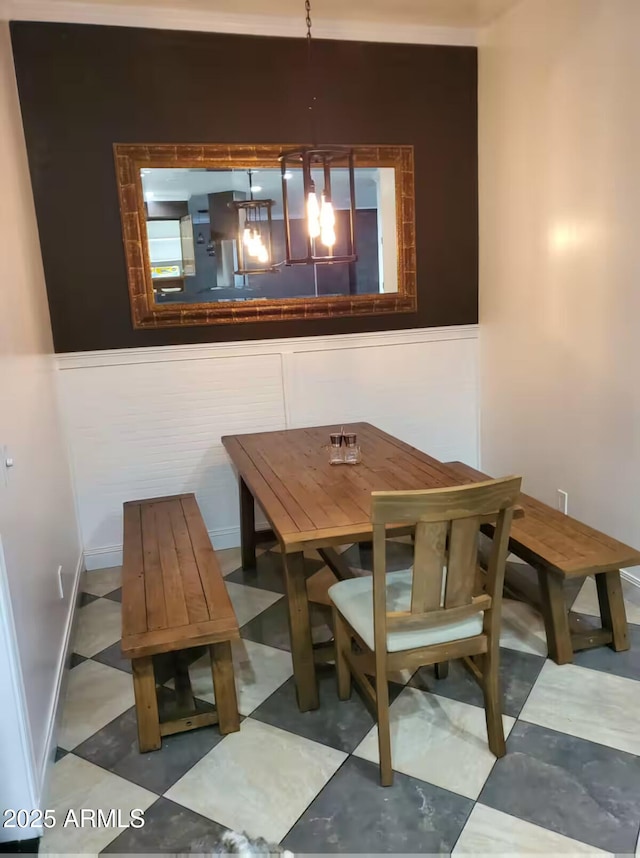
(310, 75)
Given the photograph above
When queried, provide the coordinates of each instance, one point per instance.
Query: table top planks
(548, 535)
(173, 593)
(310, 502)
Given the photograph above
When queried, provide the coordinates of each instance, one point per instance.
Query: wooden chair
(434, 612)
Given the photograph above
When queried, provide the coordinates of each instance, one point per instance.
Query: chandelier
(318, 165)
(254, 234)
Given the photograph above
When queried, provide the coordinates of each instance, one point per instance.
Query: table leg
(247, 526)
(304, 669)
(612, 611)
(556, 617)
(184, 692)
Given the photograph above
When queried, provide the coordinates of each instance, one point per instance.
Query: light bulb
(313, 215)
(327, 223)
(246, 236)
(263, 256)
(254, 243)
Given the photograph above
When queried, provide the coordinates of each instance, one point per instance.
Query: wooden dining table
(310, 503)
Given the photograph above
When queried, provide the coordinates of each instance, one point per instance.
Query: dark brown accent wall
(82, 88)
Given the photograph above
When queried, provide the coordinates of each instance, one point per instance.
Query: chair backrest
(447, 523)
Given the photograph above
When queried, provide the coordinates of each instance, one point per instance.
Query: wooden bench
(559, 548)
(174, 599)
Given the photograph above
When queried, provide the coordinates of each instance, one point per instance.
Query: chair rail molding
(203, 351)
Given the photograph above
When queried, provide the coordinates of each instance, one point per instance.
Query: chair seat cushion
(354, 599)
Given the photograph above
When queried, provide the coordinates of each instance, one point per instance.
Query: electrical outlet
(563, 501)
(60, 587)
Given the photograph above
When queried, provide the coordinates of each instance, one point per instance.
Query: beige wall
(560, 255)
(38, 529)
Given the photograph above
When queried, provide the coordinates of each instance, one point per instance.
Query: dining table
(312, 504)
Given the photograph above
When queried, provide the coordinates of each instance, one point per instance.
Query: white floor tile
(76, 784)
(441, 741)
(522, 628)
(491, 832)
(99, 582)
(259, 671)
(586, 703)
(587, 600)
(99, 626)
(96, 694)
(248, 602)
(229, 560)
(258, 780)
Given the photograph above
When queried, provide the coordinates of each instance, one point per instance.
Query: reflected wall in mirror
(196, 253)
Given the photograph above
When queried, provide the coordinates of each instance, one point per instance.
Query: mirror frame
(146, 313)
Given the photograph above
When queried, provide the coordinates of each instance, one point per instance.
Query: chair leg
(442, 669)
(384, 730)
(493, 700)
(342, 641)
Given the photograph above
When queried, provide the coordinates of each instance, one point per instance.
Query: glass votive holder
(336, 456)
(352, 451)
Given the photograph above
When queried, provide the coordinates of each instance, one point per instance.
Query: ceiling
(427, 13)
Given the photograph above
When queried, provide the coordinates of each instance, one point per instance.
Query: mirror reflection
(204, 247)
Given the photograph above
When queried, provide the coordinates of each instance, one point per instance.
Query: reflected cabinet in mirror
(218, 234)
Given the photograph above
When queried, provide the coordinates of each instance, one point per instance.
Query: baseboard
(631, 575)
(111, 555)
(55, 713)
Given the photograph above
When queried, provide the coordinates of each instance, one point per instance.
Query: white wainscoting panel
(148, 422)
(423, 393)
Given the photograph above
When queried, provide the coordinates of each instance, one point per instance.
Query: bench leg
(144, 689)
(612, 610)
(247, 527)
(304, 669)
(225, 687)
(442, 669)
(556, 617)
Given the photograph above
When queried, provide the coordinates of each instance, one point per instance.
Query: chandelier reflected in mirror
(254, 242)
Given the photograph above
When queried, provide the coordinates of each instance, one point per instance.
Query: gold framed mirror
(193, 227)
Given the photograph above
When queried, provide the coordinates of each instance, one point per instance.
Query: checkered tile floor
(570, 782)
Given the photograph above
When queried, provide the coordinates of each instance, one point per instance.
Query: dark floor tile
(518, 673)
(582, 790)
(268, 573)
(169, 827)
(60, 753)
(399, 555)
(353, 813)
(112, 656)
(342, 724)
(20, 847)
(86, 599)
(75, 660)
(607, 660)
(115, 748)
(115, 595)
(271, 627)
